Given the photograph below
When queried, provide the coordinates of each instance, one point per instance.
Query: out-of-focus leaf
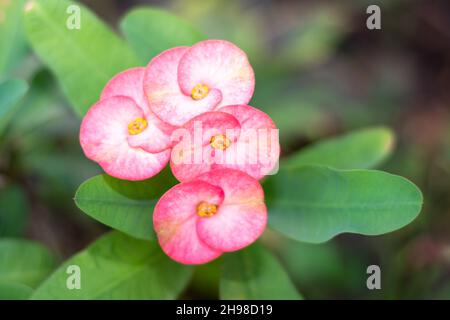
(11, 91)
(238, 22)
(42, 105)
(46, 155)
(205, 280)
(310, 264)
(118, 267)
(24, 261)
(43, 133)
(84, 59)
(297, 113)
(362, 149)
(14, 206)
(14, 291)
(12, 36)
(313, 203)
(314, 39)
(151, 31)
(48, 162)
(123, 205)
(254, 274)
(295, 118)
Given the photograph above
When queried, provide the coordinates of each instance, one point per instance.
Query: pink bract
(190, 238)
(252, 138)
(104, 134)
(217, 64)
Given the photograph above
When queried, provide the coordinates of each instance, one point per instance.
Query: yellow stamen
(205, 209)
(137, 126)
(220, 142)
(199, 91)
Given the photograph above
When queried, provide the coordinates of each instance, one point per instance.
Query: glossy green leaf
(84, 59)
(362, 149)
(255, 274)
(13, 204)
(11, 91)
(313, 203)
(14, 291)
(123, 205)
(118, 267)
(12, 36)
(24, 261)
(151, 31)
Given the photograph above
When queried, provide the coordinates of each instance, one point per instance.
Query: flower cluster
(189, 106)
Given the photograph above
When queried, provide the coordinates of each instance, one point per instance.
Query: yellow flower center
(199, 91)
(137, 126)
(205, 209)
(220, 142)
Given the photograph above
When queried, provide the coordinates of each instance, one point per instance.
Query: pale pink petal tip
(239, 219)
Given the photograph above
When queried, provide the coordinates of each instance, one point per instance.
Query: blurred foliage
(319, 71)
(163, 31)
(253, 273)
(12, 38)
(14, 204)
(31, 271)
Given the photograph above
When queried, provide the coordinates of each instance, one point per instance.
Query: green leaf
(151, 31)
(123, 205)
(84, 59)
(255, 274)
(12, 36)
(24, 261)
(362, 149)
(314, 204)
(118, 267)
(13, 203)
(14, 291)
(11, 91)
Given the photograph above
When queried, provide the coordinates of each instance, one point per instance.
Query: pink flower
(184, 82)
(238, 137)
(189, 105)
(122, 134)
(220, 211)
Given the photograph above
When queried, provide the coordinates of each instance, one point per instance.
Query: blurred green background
(319, 72)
